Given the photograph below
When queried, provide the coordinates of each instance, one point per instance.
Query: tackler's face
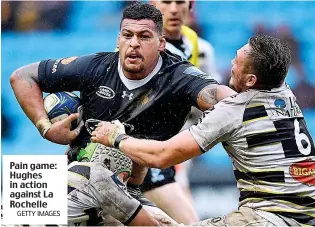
(240, 69)
(139, 45)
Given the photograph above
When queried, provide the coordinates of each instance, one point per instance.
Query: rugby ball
(60, 105)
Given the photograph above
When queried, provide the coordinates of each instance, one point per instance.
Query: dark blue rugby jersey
(156, 109)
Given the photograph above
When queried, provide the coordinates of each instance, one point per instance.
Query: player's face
(174, 15)
(239, 71)
(139, 46)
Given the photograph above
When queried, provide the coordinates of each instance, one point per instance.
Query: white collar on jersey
(133, 84)
(283, 86)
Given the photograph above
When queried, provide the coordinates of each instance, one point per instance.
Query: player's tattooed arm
(24, 82)
(207, 96)
(28, 73)
(212, 94)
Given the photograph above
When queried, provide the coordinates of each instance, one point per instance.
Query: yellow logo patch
(66, 61)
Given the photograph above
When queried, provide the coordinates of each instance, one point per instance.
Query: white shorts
(248, 217)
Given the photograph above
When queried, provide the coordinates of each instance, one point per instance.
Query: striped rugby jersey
(272, 152)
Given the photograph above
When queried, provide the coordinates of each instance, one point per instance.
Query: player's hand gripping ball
(60, 105)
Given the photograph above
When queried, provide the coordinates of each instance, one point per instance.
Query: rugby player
(169, 188)
(142, 85)
(264, 132)
(160, 185)
(97, 190)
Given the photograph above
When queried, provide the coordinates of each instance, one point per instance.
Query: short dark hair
(270, 60)
(140, 11)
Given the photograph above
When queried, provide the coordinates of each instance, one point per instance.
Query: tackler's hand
(109, 133)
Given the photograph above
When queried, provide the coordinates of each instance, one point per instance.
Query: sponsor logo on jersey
(304, 172)
(147, 97)
(156, 175)
(105, 92)
(54, 68)
(289, 109)
(280, 103)
(127, 94)
(66, 61)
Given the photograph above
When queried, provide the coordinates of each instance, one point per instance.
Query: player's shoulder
(171, 61)
(97, 55)
(189, 70)
(106, 56)
(179, 67)
(94, 58)
(170, 58)
(231, 109)
(100, 60)
(240, 100)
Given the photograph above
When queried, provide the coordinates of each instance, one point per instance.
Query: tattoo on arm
(207, 96)
(29, 73)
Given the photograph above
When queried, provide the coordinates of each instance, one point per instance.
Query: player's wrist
(116, 134)
(43, 125)
(118, 141)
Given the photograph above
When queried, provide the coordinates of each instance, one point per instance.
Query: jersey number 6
(294, 137)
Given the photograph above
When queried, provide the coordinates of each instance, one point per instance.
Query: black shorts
(158, 177)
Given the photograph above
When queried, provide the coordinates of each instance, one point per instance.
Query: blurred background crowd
(34, 31)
